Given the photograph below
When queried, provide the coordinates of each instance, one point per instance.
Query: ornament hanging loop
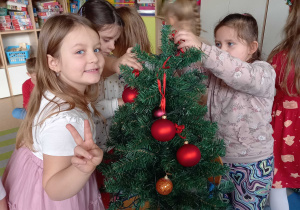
(179, 129)
(163, 93)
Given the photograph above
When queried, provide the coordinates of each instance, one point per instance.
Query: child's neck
(183, 25)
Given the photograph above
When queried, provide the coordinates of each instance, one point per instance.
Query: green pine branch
(139, 160)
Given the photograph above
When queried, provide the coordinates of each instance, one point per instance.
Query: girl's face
(108, 36)
(227, 39)
(80, 62)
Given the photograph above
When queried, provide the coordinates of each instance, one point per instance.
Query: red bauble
(163, 130)
(129, 94)
(164, 186)
(158, 113)
(188, 155)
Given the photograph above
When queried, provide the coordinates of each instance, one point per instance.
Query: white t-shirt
(52, 137)
(2, 190)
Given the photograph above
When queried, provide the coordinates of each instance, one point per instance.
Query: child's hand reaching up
(187, 39)
(87, 155)
(129, 60)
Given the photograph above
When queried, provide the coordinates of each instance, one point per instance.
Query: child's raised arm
(65, 176)
(112, 64)
(256, 78)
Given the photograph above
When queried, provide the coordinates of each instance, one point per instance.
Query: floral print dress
(286, 126)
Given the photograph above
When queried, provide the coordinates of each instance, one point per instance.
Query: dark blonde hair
(30, 65)
(183, 10)
(291, 45)
(52, 35)
(134, 32)
(246, 28)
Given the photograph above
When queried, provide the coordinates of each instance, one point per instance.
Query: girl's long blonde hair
(50, 40)
(185, 11)
(134, 32)
(291, 45)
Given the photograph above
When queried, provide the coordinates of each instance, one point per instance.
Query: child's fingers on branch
(187, 39)
(129, 60)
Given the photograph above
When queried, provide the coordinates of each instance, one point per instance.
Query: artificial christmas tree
(142, 161)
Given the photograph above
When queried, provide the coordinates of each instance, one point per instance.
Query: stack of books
(17, 17)
(46, 8)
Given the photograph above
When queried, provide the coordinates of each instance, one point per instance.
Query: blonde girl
(286, 111)
(182, 15)
(52, 166)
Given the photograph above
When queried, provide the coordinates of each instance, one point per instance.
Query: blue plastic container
(17, 57)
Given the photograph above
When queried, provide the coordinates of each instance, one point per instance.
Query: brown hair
(134, 32)
(246, 27)
(30, 65)
(101, 13)
(186, 12)
(51, 38)
(290, 44)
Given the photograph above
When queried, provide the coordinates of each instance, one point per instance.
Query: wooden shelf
(14, 65)
(16, 32)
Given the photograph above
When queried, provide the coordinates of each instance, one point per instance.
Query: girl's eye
(97, 50)
(80, 52)
(106, 40)
(218, 45)
(230, 44)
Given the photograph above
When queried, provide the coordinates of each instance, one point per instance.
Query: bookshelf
(12, 76)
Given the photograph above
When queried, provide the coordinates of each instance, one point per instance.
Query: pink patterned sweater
(240, 99)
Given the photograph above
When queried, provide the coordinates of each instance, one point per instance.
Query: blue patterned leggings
(252, 182)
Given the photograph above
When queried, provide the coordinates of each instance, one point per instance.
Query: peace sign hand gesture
(87, 155)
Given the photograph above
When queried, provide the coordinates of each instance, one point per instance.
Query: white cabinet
(4, 89)
(17, 77)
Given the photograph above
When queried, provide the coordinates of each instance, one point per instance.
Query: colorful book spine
(20, 1)
(16, 6)
(14, 17)
(18, 13)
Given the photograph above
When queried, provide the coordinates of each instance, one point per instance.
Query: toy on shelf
(17, 54)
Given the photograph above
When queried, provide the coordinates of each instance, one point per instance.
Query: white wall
(212, 11)
(276, 18)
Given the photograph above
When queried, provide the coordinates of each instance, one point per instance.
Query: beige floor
(6, 106)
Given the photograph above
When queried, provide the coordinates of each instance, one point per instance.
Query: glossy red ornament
(158, 113)
(164, 186)
(188, 155)
(163, 130)
(129, 94)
